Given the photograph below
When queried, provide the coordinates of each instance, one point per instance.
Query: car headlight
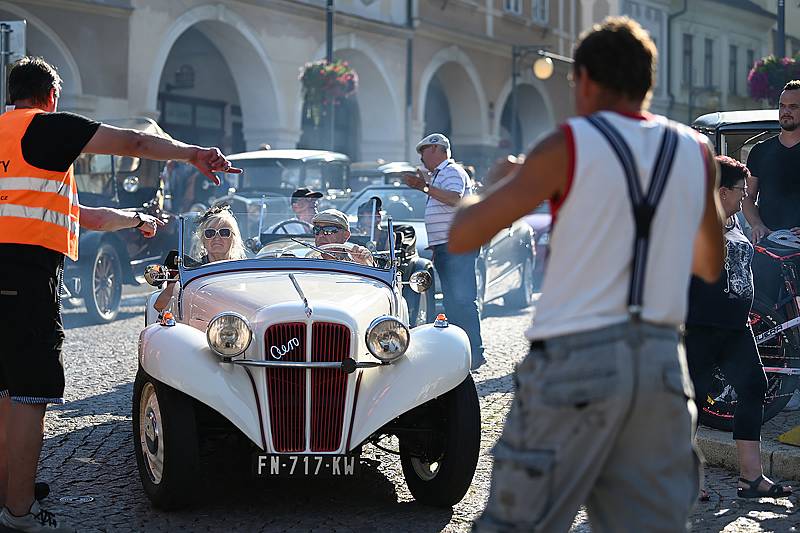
(229, 334)
(387, 338)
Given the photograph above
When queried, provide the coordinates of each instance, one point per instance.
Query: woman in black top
(718, 334)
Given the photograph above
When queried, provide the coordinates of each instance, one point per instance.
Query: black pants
(735, 353)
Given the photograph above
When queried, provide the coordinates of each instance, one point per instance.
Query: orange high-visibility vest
(38, 207)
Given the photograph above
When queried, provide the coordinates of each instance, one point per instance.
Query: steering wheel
(341, 252)
(308, 226)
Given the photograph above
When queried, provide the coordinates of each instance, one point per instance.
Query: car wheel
(523, 296)
(439, 462)
(165, 443)
(103, 285)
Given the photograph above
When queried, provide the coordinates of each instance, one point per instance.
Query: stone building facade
(226, 72)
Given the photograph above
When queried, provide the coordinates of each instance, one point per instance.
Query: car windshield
(286, 175)
(270, 233)
(402, 203)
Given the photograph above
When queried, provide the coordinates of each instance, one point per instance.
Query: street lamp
(542, 68)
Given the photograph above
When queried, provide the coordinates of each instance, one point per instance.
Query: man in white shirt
(446, 184)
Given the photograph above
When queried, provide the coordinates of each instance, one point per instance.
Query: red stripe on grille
(329, 342)
(287, 386)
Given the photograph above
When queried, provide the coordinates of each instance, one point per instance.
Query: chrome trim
(308, 309)
(301, 364)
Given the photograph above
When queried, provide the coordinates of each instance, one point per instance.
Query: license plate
(265, 465)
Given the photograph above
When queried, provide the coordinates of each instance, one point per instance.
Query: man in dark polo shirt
(775, 168)
(39, 217)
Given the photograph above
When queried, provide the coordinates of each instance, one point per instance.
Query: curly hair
(619, 55)
(213, 217)
(731, 171)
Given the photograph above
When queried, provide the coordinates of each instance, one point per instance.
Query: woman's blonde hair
(214, 217)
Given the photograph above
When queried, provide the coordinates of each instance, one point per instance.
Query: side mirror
(420, 281)
(155, 275)
(130, 184)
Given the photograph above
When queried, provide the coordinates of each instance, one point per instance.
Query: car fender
(437, 361)
(179, 356)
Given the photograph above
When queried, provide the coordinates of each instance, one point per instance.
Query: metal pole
(329, 10)
(514, 57)
(780, 45)
(5, 51)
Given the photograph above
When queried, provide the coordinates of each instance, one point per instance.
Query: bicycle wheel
(779, 351)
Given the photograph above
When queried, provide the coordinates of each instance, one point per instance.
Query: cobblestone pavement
(88, 452)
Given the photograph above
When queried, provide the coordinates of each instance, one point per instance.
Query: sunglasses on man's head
(327, 230)
(210, 233)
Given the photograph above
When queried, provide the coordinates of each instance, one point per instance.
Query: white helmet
(784, 237)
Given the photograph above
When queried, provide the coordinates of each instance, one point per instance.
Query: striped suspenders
(643, 205)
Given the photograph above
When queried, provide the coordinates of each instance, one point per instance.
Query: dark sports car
(505, 266)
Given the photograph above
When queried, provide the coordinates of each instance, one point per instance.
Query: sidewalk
(780, 460)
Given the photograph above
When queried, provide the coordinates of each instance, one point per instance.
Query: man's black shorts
(31, 337)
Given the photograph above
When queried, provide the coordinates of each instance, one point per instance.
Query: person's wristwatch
(426, 189)
(141, 220)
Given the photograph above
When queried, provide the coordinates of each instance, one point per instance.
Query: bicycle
(776, 327)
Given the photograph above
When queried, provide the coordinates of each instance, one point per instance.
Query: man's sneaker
(37, 519)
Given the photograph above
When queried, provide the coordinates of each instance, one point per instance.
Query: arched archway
(534, 115)
(43, 41)
(248, 65)
(451, 80)
(369, 125)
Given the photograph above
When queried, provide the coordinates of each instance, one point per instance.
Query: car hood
(272, 297)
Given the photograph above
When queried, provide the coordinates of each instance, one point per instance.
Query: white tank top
(586, 283)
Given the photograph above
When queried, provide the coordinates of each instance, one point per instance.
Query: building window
(513, 6)
(708, 64)
(541, 11)
(733, 70)
(751, 59)
(688, 54)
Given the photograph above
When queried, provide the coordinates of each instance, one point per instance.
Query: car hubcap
(104, 284)
(425, 471)
(150, 438)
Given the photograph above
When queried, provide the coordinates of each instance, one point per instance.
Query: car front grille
(287, 387)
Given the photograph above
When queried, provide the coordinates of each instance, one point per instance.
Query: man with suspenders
(602, 415)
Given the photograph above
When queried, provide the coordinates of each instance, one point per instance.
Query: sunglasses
(327, 230)
(210, 233)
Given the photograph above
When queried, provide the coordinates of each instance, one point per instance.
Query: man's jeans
(459, 288)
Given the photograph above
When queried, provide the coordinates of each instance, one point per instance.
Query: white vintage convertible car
(307, 357)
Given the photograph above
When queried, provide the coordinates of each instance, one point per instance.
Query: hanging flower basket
(768, 76)
(325, 83)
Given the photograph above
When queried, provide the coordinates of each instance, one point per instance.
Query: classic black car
(277, 173)
(110, 259)
(505, 266)
(734, 133)
(366, 173)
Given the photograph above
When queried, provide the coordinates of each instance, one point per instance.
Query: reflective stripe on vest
(37, 206)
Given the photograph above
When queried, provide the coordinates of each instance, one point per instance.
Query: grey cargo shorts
(602, 418)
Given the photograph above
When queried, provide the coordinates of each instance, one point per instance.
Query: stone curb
(780, 461)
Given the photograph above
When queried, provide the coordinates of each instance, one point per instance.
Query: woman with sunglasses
(718, 335)
(218, 239)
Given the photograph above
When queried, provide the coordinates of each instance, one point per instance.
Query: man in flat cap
(331, 231)
(445, 183)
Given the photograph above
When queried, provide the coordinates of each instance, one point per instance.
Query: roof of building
(747, 5)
